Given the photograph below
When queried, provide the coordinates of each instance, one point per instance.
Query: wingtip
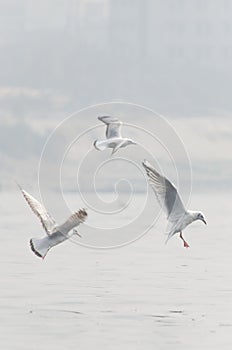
(113, 152)
(146, 164)
(170, 235)
(104, 119)
(18, 185)
(84, 210)
(82, 214)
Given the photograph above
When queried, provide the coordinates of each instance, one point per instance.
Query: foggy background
(60, 56)
(173, 56)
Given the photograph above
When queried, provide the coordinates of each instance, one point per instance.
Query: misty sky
(173, 56)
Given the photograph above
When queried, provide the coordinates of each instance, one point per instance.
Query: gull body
(177, 215)
(114, 138)
(56, 234)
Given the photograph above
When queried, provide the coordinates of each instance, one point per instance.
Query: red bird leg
(185, 243)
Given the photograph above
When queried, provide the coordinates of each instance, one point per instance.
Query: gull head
(200, 216)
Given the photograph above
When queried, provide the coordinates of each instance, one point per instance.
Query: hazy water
(143, 296)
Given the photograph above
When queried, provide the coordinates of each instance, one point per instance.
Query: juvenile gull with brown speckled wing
(56, 234)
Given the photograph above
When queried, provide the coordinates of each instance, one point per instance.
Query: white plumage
(114, 138)
(55, 233)
(177, 215)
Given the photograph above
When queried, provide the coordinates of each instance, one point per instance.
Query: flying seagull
(169, 199)
(55, 233)
(114, 138)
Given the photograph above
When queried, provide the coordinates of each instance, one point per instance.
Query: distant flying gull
(169, 199)
(114, 138)
(55, 234)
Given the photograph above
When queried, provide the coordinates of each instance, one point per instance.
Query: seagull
(56, 234)
(178, 217)
(114, 138)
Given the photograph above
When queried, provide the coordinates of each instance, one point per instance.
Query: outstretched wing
(74, 220)
(166, 193)
(113, 126)
(46, 219)
(118, 147)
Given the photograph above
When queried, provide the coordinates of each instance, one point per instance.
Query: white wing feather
(46, 219)
(166, 194)
(113, 129)
(118, 147)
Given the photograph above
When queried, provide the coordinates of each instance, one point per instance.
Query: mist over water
(144, 295)
(60, 56)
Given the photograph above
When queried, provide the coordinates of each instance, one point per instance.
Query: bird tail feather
(40, 247)
(99, 145)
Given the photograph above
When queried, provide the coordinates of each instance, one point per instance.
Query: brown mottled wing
(47, 221)
(74, 220)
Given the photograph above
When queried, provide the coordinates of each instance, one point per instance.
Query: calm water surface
(142, 296)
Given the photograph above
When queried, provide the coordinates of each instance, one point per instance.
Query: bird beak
(76, 233)
(204, 221)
